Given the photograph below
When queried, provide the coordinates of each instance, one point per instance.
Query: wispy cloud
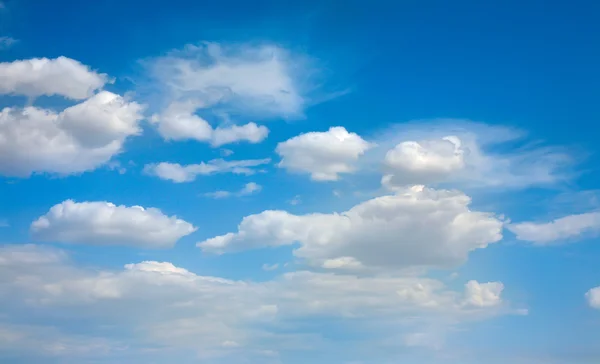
(250, 188)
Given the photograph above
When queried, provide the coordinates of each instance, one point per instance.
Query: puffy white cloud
(249, 188)
(593, 297)
(178, 122)
(104, 223)
(558, 230)
(177, 173)
(466, 154)
(323, 155)
(424, 162)
(416, 227)
(42, 76)
(159, 305)
(80, 138)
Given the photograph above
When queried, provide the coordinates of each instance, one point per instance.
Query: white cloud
(159, 305)
(269, 267)
(323, 155)
(417, 227)
(466, 154)
(249, 188)
(558, 230)
(178, 122)
(42, 76)
(424, 162)
(218, 81)
(7, 42)
(80, 138)
(177, 173)
(483, 294)
(264, 79)
(103, 223)
(593, 297)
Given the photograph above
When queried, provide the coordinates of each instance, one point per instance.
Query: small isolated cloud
(483, 294)
(187, 173)
(323, 155)
(42, 76)
(78, 139)
(250, 188)
(593, 298)
(466, 154)
(296, 200)
(7, 42)
(270, 267)
(418, 227)
(104, 223)
(559, 230)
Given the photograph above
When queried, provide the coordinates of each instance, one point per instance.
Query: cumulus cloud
(42, 76)
(178, 122)
(466, 154)
(78, 139)
(171, 309)
(558, 230)
(187, 173)
(424, 162)
(249, 188)
(323, 155)
(593, 297)
(417, 227)
(104, 223)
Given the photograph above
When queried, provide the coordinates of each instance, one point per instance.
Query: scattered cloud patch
(104, 223)
(323, 155)
(7, 42)
(558, 230)
(187, 173)
(249, 188)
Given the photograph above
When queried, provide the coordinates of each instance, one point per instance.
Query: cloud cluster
(80, 138)
(161, 305)
(179, 174)
(104, 223)
(417, 227)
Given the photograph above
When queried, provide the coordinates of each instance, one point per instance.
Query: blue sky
(292, 182)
